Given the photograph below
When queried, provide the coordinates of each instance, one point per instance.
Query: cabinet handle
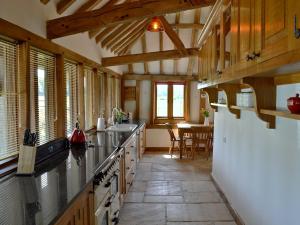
(255, 55)
(249, 57)
(127, 153)
(296, 29)
(127, 168)
(132, 160)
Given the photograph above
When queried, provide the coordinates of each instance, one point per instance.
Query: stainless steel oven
(107, 193)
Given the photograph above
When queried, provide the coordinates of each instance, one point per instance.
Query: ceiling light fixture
(155, 25)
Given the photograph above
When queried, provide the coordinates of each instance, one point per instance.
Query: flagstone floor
(169, 191)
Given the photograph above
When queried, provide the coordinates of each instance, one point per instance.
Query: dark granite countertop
(40, 199)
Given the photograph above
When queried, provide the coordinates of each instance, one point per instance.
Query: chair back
(171, 132)
(202, 134)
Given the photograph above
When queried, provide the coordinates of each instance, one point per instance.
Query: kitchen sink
(122, 127)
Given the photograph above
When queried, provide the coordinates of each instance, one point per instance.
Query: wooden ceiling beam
(63, 5)
(90, 4)
(161, 48)
(84, 21)
(113, 36)
(172, 35)
(144, 49)
(104, 33)
(187, 26)
(195, 33)
(127, 35)
(44, 1)
(131, 42)
(158, 77)
(137, 33)
(145, 57)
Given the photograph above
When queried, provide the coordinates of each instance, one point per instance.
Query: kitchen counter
(42, 198)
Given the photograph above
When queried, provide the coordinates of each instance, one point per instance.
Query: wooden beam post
(81, 104)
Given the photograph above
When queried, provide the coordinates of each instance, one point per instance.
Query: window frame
(170, 118)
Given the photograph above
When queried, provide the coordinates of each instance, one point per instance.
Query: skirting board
(234, 214)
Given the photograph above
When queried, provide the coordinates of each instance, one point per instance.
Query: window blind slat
(71, 97)
(43, 108)
(9, 135)
(88, 97)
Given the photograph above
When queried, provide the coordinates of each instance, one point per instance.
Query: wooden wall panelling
(60, 96)
(230, 91)
(212, 94)
(264, 91)
(23, 87)
(81, 103)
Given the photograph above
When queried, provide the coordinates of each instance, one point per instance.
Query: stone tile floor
(169, 191)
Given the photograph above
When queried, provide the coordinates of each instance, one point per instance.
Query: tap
(114, 112)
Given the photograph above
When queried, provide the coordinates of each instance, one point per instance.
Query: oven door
(103, 212)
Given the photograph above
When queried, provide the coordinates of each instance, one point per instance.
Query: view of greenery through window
(42, 105)
(162, 100)
(178, 100)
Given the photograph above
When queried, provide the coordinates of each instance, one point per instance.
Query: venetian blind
(71, 96)
(88, 97)
(9, 137)
(101, 93)
(42, 95)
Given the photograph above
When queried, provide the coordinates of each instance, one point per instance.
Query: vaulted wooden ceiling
(120, 25)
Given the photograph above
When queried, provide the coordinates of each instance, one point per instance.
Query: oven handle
(109, 201)
(116, 174)
(116, 220)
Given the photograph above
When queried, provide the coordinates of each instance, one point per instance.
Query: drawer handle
(127, 153)
(127, 168)
(132, 160)
(132, 173)
(296, 29)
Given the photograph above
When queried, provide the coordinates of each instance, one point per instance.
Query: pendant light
(155, 25)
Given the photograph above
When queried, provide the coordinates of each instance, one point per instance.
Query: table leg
(180, 133)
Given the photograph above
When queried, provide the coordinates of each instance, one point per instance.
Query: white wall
(257, 168)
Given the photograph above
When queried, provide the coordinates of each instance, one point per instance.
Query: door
(273, 28)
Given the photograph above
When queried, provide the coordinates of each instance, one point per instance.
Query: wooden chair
(202, 136)
(173, 139)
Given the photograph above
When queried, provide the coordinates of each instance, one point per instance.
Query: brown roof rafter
(63, 5)
(145, 57)
(84, 21)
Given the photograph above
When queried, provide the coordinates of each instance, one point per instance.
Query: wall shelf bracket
(212, 93)
(230, 91)
(264, 93)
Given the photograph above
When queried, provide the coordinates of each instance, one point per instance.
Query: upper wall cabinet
(263, 30)
(294, 24)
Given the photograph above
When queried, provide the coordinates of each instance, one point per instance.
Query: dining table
(184, 128)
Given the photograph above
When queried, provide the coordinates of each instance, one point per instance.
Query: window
(170, 99)
(9, 137)
(88, 97)
(71, 80)
(42, 95)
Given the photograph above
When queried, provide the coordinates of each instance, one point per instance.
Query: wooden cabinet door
(273, 28)
(234, 30)
(245, 29)
(81, 212)
(293, 11)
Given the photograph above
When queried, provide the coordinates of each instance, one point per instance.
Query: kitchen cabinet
(263, 29)
(130, 161)
(293, 13)
(142, 141)
(81, 212)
